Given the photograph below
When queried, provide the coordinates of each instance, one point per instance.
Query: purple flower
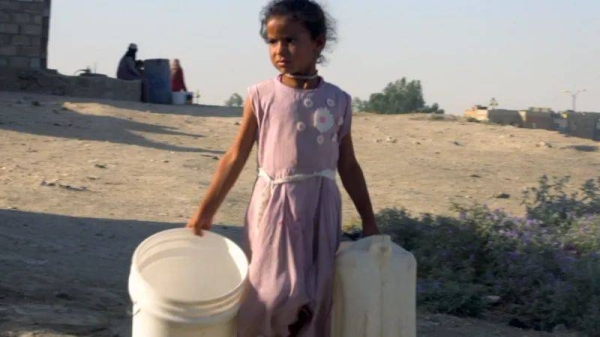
(514, 255)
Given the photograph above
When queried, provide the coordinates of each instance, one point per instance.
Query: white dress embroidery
(320, 139)
(308, 102)
(300, 126)
(323, 120)
(330, 103)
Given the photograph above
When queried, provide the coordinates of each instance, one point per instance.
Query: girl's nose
(280, 48)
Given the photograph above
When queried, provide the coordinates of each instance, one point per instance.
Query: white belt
(271, 183)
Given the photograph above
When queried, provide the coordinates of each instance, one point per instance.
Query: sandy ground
(82, 182)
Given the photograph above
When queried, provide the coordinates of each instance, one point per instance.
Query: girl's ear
(320, 42)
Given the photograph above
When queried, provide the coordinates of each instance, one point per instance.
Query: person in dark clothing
(128, 69)
(131, 69)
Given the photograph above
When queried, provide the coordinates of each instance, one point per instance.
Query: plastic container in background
(374, 290)
(183, 285)
(158, 78)
(180, 97)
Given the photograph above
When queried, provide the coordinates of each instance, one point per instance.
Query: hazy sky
(522, 52)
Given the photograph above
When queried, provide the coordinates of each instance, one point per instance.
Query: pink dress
(293, 224)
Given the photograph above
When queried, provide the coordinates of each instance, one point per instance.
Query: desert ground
(83, 182)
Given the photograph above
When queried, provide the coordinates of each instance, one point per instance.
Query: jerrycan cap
(381, 246)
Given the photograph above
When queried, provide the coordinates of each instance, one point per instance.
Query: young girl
(301, 125)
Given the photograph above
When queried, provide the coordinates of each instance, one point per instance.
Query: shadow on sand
(583, 148)
(66, 123)
(67, 274)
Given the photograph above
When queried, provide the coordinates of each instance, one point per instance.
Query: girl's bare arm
(227, 172)
(354, 182)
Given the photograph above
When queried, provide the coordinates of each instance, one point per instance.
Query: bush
(399, 97)
(550, 203)
(234, 100)
(544, 266)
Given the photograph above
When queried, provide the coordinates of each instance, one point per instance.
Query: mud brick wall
(24, 27)
(42, 81)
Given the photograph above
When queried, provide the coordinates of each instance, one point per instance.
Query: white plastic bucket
(183, 285)
(179, 97)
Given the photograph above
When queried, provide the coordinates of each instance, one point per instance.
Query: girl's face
(291, 48)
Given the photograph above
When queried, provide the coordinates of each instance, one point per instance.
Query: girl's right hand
(228, 170)
(198, 223)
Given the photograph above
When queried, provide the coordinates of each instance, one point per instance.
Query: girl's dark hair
(308, 12)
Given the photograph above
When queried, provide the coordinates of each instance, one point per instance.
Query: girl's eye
(271, 41)
(290, 40)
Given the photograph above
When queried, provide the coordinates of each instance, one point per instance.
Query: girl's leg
(304, 317)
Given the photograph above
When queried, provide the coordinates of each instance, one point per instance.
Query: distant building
(577, 124)
(477, 112)
(583, 124)
(540, 118)
(498, 116)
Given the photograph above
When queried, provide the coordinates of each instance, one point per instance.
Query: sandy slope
(82, 182)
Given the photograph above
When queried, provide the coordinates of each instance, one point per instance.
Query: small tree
(397, 97)
(234, 100)
(358, 104)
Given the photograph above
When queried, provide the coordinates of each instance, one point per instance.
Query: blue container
(158, 79)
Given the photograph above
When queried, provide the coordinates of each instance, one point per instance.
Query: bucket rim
(185, 314)
(168, 300)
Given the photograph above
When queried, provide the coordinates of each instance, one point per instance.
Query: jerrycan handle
(381, 247)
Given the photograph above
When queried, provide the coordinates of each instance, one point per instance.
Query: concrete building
(24, 27)
(540, 118)
(577, 124)
(477, 112)
(583, 124)
(498, 116)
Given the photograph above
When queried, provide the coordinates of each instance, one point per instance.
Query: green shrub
(545, 266)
